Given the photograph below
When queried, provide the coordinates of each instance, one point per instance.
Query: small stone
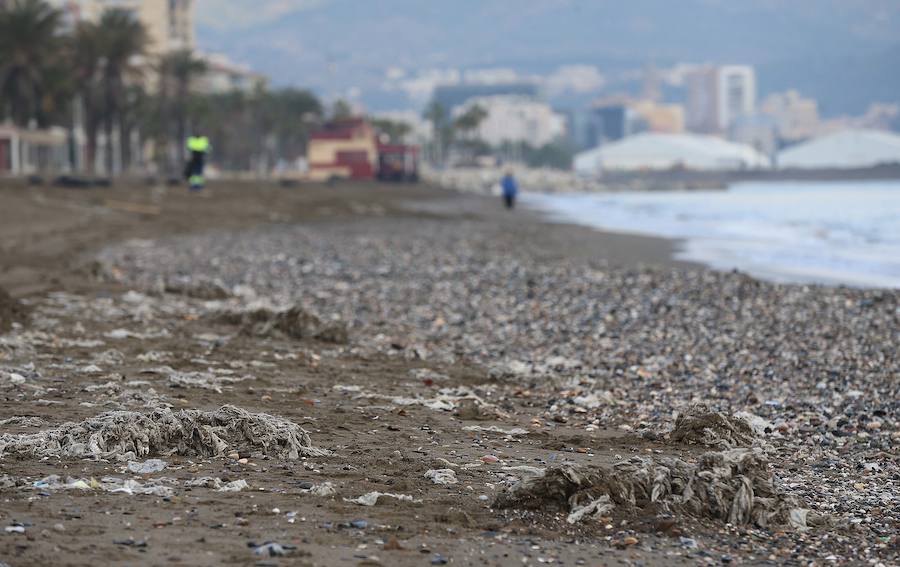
(393, 544)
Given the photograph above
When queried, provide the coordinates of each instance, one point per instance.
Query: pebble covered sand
(402, 376)
(601, 347)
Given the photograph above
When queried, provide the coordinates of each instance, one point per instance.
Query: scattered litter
(22, 421)
(272, 549)
(322, 490)
(147, 467)
(441, 476)
(593, 509)
(119, 334)
(218, 484)
(494, 429)
(154, 487)
(371, 498)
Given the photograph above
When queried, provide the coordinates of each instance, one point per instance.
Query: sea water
(806, 232)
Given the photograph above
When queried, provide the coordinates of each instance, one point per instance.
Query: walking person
(510, 189)
(198, 146)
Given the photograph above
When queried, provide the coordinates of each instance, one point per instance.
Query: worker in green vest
(198, 146)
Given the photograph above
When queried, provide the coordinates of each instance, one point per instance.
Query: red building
(345, 149)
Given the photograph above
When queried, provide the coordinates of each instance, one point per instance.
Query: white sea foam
(823, 232)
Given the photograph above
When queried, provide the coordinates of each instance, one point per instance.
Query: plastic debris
(593, 509)
(441, 476)
(494, 429)
(371, 498)
(218, 484)
(147, 467)
(272, 549)
(322, 490)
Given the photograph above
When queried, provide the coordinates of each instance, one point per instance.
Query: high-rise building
(796, 117)
(169, 23)
(718, 96)
(736, 86)
(514, 119)
(614, 118)
(665, 118)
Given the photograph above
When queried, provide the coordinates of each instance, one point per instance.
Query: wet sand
(47, 233)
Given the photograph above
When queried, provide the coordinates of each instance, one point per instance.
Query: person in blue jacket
(510, 189)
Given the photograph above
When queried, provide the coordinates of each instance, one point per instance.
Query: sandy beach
(370, 374)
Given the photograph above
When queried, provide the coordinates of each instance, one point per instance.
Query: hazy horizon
(839, 51)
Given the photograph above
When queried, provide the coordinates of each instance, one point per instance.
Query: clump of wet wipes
(127, 435)
(733, 486)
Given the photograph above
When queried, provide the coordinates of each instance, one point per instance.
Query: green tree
(29, 63)
(395, 130)
(87, 61)
(341, 110)
(442, 130)
(177, 71)
(469, 121)
(121, 39)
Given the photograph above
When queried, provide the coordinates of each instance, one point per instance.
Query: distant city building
(719, 95)
(169, 23)
(664, 118)
(223, 75)
(517, 119)
(759, 131)
(796, 118)
(453, 96)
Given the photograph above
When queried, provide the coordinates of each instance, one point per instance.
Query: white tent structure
(849, 149)
(653, 151)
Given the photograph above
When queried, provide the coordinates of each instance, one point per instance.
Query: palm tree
(442, 130)
(28, 46)
(469, 121)
(121, 39)
(177, 70)
(87, 61)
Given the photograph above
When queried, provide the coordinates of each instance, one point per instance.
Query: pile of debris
(732, 486)
(126, 435)
(296, 323)
(699, 425)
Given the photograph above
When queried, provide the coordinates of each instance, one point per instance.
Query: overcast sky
(235, 14)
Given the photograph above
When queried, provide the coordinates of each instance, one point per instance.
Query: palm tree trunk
(91, 131)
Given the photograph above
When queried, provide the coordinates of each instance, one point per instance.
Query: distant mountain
(337, 45)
